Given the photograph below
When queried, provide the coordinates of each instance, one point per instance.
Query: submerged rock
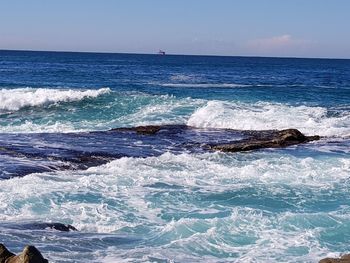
(342, 259)
(30, 254)
(276, 139)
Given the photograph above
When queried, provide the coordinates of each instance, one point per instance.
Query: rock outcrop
(146, 130)
(276, 139)
(30, 254)
(256, 140)
(5, 254)
(54, 226)
(342, 259)
(47, 152)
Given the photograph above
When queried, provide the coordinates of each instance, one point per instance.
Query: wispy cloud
(272, 42)
(280, 45)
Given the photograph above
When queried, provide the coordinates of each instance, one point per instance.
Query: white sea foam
(124, 110)
(16, 99)
(163, 109)
(128, 180)
(144, 109)
(185, 77)
(264, 116)
(136, 193)
(48, 127)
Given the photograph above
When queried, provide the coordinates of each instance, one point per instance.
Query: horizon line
(169, 54)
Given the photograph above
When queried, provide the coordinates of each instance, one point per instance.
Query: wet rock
(35, 153)
(154, 129)
(276, 139)
(55, 226)
(343, 259)
(40, 226)
(30, 254)
(4, 254)
(146, 130)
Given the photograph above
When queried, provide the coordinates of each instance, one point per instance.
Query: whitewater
(163, 109)
(152, 200)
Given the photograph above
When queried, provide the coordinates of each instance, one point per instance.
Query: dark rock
(150, 130)
(343, 259)
(30, 254)
(40, 226)
(55, 226)
(146, 130)
(4, 254)
(276, 139)
(35, 153)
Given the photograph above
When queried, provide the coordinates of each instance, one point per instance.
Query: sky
(287, 28)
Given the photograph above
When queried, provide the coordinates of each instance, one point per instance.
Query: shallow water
(155, 199)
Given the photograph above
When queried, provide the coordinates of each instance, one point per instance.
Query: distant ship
(161, 52)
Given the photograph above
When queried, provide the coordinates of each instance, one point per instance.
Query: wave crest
(265, 116)
(16, 99)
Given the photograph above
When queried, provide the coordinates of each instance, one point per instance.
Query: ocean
(164, 197)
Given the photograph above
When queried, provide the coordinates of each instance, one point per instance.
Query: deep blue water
(162, 198)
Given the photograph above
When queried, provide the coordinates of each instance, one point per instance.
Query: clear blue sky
(303, 28)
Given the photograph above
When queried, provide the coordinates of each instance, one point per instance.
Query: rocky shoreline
(342, 259)
(30, 254)
(277, 139)
(256, 139)
(182, 138)
(22, 154)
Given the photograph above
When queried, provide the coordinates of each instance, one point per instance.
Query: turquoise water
(166, 205)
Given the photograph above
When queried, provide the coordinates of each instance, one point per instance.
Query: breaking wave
(264, 116)
(118, 110)
(16, 99)
(123, 109)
